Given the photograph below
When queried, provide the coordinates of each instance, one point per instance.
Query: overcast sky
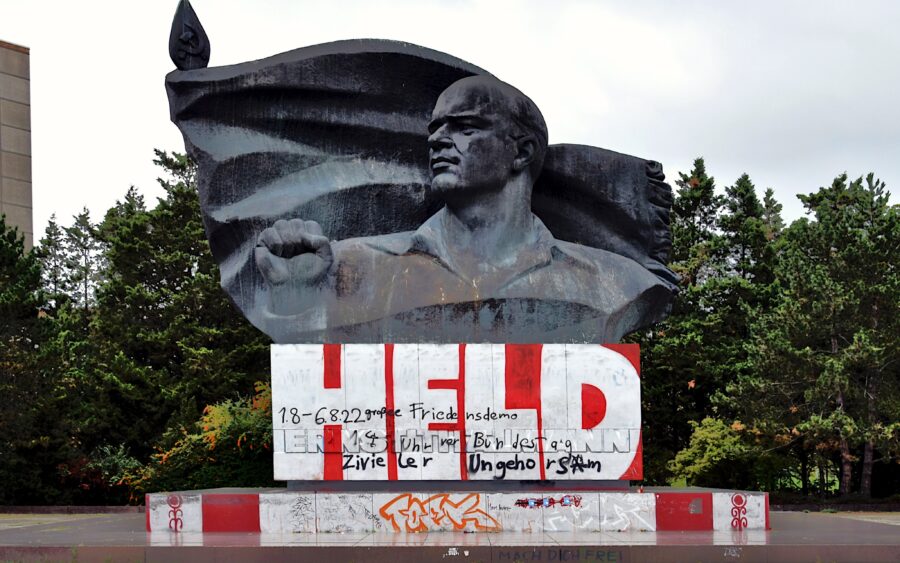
(792, 93)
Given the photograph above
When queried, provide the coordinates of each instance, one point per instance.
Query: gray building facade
(15, 139)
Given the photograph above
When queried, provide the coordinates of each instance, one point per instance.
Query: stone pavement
(121, 537)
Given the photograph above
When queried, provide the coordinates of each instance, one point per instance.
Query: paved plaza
(853, 536)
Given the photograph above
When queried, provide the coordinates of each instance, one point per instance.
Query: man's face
(470, 145)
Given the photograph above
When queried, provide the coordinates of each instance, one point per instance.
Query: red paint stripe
(523, 376)
(147, 510)
(389, 427)
(540, 437)
(523, 386)
(632, 353)
(684, 511)
(459, 384)
(768, 526)
(635, 471)
(334, 454)
(461, 409)
(332, 374)
(230, 512)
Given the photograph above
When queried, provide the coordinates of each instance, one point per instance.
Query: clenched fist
(293, 250)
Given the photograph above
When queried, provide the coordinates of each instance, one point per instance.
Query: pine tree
(829, 347)
(166, 333)
(772, 215)
(677, 363)
(84, 260)
(694, 215)
(55, 278)
(30, 442)
(744, 230)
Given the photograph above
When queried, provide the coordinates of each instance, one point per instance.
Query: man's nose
(439, 139)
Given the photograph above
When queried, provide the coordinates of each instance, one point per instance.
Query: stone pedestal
(281, 511)
(402, 438)
(466, 412)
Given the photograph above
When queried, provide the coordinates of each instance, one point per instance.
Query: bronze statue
(375, 191)
(484, 259)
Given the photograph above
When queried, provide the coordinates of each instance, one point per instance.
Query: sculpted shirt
(405, 287)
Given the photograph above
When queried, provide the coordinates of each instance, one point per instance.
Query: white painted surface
(572, 512)
(515, 518)
(175, 512)
(730, 507)
(290, 512)
(428, 420)
(287, 512)
(342, 513)
(627, 512)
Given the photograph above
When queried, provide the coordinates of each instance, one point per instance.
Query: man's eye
(468, 132)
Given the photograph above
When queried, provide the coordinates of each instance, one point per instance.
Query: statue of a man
(483, 268)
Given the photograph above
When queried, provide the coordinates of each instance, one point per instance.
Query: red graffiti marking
(738, 511)
(176, 522)
(523, 386)
(565, 500)
(408, 513)
(389, 427)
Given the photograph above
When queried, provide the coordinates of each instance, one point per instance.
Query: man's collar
(431, 239)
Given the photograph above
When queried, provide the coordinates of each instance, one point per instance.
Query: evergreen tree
(169, 341)
(743, 228)
(55, 277)
(31, 443)
(84, 260)
(772, 215)
(676, 361)
(694, 216)
(827, 355)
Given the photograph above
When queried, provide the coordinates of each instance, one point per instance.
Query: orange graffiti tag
(406, 512)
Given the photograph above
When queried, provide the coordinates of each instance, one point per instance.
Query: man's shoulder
(594, 258)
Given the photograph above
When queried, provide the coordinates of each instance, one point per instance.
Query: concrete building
(15, 139)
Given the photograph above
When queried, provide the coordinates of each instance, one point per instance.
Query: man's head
(482, 133)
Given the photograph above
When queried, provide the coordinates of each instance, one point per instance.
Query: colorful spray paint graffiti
(548, 502)
(438, 512)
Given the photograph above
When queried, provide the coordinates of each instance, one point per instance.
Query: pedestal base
(284, 511)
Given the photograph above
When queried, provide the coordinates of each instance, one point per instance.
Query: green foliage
(791, 331)
(134, 340)
(829, 346)
(229, 446)
(31, 441)
(166, 322)
(724, 258)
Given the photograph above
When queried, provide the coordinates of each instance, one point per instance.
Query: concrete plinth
(279, 511)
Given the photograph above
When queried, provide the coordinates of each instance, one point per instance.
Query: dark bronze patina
(373, 191)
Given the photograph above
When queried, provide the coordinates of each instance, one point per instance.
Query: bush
(230, 447)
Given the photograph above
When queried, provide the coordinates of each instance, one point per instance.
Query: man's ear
(526, 148)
